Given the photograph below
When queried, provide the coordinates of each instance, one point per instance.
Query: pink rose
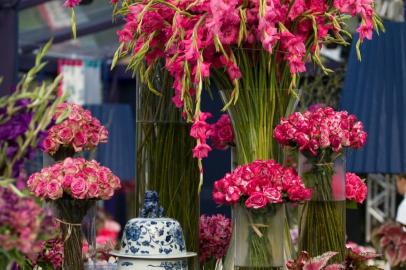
(273, 195)
(40, 189)
(54, 190)
(49, 145)
(93, 190)
(67, 181)
(256, 200)
(65, 135)
(79, 188)
(79, 141)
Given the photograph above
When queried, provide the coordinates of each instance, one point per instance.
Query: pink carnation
(355, 189)
(214, 237)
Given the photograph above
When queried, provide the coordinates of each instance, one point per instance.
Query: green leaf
(73, 21)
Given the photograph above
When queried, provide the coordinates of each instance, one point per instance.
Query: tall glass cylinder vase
(257, 238)
(71, 213)
(322, 220)
(164, 157)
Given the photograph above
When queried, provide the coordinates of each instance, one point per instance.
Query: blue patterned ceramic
(153, 236)
(137, 264)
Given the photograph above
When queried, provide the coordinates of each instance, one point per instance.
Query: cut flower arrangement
(75, 178)
(78, 131)
(252, 49)
(321, 136)
(257, 191)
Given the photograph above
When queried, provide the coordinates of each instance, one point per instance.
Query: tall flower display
(321, 135)
(73, 186)
(253, 51)
(256, 191)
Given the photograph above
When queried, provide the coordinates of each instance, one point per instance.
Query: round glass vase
(164, 158)
(322, 219)
(258, 237)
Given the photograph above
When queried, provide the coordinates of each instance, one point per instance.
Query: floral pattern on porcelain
(178, 265)
(156, 236)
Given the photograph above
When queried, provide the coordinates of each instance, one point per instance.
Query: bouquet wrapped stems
(322, 220)
(70, 213)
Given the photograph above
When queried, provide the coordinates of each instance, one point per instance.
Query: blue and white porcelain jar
(152, 242)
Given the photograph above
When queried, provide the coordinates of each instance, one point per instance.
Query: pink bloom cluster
(222, 136)
(25, 227)
(71, 3)
(305, 262)
(52, 253)
(188, 34)
(259, 184)
(76, 178)
(214, 237)
(355, 188)
(323, 128)
(80, 130)
(220, 133)
(392, 241)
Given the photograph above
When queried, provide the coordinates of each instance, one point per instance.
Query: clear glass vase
(164, 158)
(71, 214)
(258, 237)
(322, 220)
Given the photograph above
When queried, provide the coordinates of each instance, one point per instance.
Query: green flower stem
(322, 222)
(164, 157)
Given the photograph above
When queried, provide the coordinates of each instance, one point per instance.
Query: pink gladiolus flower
(201, 151)
(71, 3)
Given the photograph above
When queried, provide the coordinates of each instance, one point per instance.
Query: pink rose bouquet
(72, 187)
(321, 135)
(75, 178)
(214, 239)
(260, 184)
(355, 188)
(78, 131)
(321, 131)
(257, 191)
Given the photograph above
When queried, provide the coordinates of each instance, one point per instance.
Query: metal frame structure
(381, 202)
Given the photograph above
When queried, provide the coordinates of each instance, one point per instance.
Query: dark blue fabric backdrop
(374, 91)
